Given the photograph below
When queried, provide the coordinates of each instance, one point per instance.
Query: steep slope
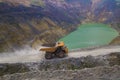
(36, 21)
(116, 40)
(19, 25)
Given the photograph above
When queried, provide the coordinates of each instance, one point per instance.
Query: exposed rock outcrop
(97, 73)
(61, 64)
(21, 21)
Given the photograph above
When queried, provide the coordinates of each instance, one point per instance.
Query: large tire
(61, 54)
(48, 55)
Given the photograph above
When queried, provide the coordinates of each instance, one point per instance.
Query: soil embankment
(100, 63)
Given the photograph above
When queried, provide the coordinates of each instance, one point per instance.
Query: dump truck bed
(51, 49)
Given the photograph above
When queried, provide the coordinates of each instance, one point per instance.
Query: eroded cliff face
(34, 22)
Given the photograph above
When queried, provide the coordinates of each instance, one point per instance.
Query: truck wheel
(61, 54)
(48, 55)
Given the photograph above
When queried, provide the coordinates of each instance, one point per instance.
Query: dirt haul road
(32, 55)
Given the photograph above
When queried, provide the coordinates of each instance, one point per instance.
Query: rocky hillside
(34, 22)
(102, 67)
(98, 73)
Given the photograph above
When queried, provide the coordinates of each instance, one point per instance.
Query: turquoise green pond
(92, 34)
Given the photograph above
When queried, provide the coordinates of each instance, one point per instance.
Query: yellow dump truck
(59, 50)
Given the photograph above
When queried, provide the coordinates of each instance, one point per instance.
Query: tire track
(32, 55)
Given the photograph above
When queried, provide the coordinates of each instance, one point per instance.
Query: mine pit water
(86, 35)
(26, 54)
(92, 34)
